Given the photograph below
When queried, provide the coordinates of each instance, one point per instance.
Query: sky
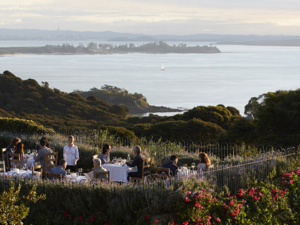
(181, 17)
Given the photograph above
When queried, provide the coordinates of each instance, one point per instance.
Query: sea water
(230, 78)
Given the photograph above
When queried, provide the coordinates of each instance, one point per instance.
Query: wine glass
(24, 166)
(80, 171)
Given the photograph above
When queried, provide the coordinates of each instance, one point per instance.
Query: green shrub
(21, 125)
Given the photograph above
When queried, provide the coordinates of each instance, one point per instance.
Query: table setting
(15, 172)
(118, 171)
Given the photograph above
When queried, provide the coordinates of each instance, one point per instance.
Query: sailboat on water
(162, 67)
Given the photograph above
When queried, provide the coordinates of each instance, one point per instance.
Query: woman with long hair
(104, 156)
(204, 162)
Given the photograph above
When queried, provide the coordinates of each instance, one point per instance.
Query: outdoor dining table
(30, 162)
(118, 173)
(19, 173)
(76, 179)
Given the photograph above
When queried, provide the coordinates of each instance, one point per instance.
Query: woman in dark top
(104, 156)
(11, 147)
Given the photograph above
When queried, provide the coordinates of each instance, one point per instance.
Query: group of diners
(71, 157)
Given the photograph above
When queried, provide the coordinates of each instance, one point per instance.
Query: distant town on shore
(94, 48)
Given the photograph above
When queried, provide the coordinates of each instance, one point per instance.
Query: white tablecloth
(77, 179)
(29, 163)
(21, 173)
(118, 173)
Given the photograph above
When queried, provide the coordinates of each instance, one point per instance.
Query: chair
(16, 158)
(53, 149)
(96, 174)
(2, 166)
(50, 161)
(53, 175)
(162, 172)
(3, 150)
(34, 172)
(145, 171)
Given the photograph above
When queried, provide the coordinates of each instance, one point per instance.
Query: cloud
(156, 16)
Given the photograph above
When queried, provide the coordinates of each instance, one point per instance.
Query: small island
(159, 47)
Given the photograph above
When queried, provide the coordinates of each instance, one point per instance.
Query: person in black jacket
(137, 161)
(172, 165)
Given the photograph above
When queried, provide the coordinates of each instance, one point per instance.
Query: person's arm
(76, 156)
(64, 153)
(38, 157)
(134, 163)
(63, 174)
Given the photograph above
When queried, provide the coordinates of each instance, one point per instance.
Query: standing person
(13, 144)
(71, 154)
(172, 165)
(104, 156)
(204, 162)
(137, 161)
(41, 155)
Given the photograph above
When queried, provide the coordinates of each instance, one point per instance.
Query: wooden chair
(146, 171)
(3, 156)
(96, 174)
(16, 159)
(34, 172)
(162, 172)
(50, 161)
(53, 175)
(2, 166)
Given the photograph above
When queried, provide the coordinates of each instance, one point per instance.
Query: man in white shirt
(71, 154)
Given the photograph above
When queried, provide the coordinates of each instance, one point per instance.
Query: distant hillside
(68, 35)
(141, 38)
(27, 99)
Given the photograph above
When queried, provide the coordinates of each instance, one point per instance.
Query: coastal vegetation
(276, 114)
(159, 47)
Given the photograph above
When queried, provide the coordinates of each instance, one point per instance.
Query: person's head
(47, 142)
(63, 163)
(96, 163)
(203, 157)
(43, 141)
(15, 141)
(19, 147)
(106, 149)
(71, 140)
(137, 150)
(174, 159)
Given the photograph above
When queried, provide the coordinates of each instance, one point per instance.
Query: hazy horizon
(176, 17)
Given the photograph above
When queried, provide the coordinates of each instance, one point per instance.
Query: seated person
(204, 162)
(104, 156)
(13, 144)
(41, 156)
(19, 150)
(60, 169)
(98, 168)
(137, 161)
(172, 165)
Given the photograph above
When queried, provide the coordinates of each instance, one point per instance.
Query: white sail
(162, 67)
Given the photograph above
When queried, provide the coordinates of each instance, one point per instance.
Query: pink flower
(155, 221)
(147, 217)
(188, 192)
(80, 218)
(218, 220)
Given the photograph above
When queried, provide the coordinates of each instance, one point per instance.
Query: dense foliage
(21, 125)
(115, 96)
(276, 120)
(27, 99)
